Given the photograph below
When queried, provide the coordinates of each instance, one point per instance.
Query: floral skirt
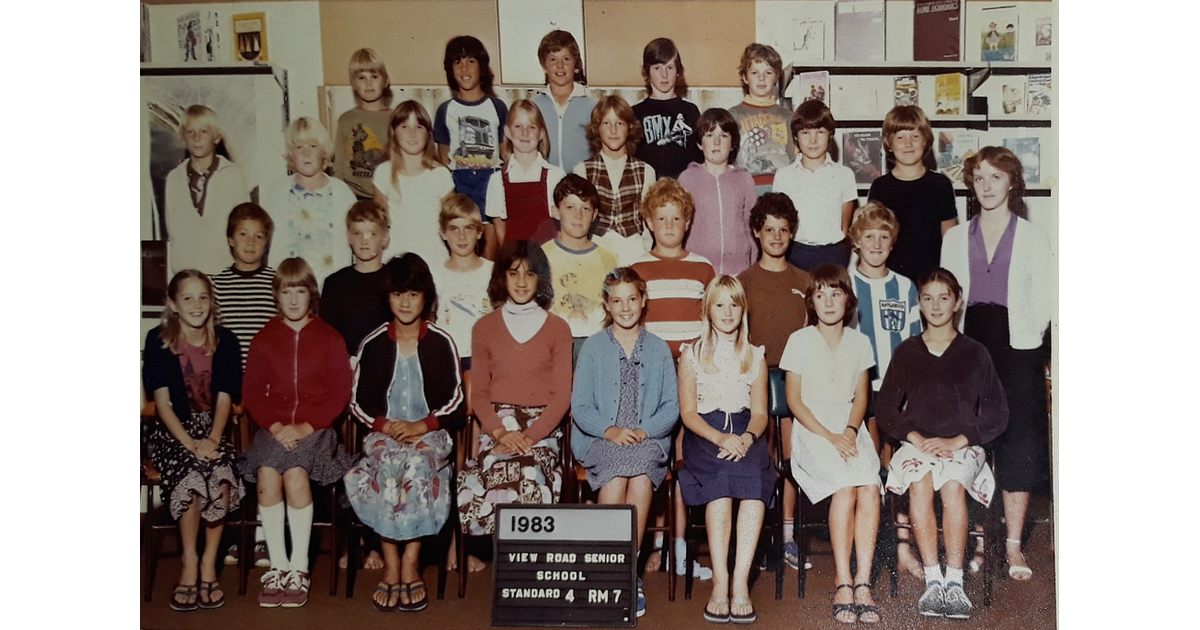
(402, 491)
(185, 478)
(491, 479)
(968, 467)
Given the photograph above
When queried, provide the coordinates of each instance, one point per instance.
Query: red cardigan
(297, 377)
(533, 374)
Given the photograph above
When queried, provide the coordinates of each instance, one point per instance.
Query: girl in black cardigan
(408, 390)
(942, 399)
(193, 370)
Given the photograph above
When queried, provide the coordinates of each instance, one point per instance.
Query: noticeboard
(559, 565)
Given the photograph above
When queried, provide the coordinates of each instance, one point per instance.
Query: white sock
(272, 525)
(681, 553)
(933, 575)
(954, 575)
(788, 534)
(300, 525)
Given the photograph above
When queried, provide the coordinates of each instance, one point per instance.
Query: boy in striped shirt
(888, 313)
(245, 301)
(675, 282)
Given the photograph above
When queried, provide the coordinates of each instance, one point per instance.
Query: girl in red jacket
(297, 383)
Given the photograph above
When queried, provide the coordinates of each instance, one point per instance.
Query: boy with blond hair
(363, 133)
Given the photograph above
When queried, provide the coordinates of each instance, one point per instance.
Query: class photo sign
(560, 565)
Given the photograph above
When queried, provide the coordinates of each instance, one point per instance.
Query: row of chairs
(244, 519)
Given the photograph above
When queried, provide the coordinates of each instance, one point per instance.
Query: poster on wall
(167, 98)
(999, 34)
(523, 24)
(250, 37)
(187, 27)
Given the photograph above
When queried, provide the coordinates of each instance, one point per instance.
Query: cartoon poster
(187, 26)
(999, 34)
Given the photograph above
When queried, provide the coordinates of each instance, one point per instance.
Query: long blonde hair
(429, 156)
(172, 330)
(705, 347)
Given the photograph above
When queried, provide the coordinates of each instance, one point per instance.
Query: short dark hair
(410, 273)
(512, 254)
(718, 118)
(465, 46)
(814, 115)
(557, 40)
(573, 184)
(836, 277)
(250, 211)
(774, 204)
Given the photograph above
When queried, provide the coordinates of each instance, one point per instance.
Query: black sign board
(565, 565)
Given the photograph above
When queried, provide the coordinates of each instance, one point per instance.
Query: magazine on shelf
(1039, 98)
(998, 37)
(948, 93)
(937, 30)
(1012, 96)
(862, 152)
(1043, 39)
(814, 86)
(906, 90)
(859, 31)
(952, 147)
(1028, 150)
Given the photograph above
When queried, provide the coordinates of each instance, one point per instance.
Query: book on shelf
(1043, 39)
(906, 90)
(862, 152)
(814, 86)
(859, 31)
(1028, 150)
(949, 92)
(952, 147)
(937, 30)
(1012, 96)
(998, 37)
(1039, 98)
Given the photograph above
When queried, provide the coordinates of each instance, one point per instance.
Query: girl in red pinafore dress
(520, 196)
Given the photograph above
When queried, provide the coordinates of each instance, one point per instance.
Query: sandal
(1018, 572)
(388, 591)
(414, 605)
(714, 617)
(211, 589)
(851, 608)
(179, 599)
(866, 609)
(747, 618)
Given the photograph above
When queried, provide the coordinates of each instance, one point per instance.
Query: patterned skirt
(492, 479)
(402, 491)
(318, 454)
(968, 467)
(185, 478)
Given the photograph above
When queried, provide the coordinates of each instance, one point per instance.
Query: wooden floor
(1016, 605)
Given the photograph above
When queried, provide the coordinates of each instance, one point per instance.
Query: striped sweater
(244, 302)
(675, 288)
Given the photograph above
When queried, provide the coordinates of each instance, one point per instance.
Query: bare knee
(295, 483)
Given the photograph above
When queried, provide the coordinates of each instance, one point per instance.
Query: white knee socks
(300, 525)
(272, 524)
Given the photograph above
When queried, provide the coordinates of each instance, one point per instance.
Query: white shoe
(699, 571)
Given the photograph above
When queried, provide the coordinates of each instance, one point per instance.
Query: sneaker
(231, 556)
(641, 599)
(261, 557)
(699, 571)
(271, 595)
(933, 601)
(295, 594)
(791, 553)
(957, 606)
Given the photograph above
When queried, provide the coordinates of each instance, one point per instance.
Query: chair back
(777, 404)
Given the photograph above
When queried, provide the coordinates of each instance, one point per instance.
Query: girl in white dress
(832, 452)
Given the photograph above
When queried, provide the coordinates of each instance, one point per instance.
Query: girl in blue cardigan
(625, 403)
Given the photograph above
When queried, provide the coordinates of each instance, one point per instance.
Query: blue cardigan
(595, 396)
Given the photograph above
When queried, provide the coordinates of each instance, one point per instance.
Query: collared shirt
(819, 196)
(496, 204)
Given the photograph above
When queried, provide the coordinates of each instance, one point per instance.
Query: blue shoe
(791, 553)
(641, 599)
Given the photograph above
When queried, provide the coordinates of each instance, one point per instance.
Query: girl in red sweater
(297, 384)
(521, 389)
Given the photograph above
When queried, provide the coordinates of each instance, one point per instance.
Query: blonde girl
(193, 371)
(520, 196)
(723, 403)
